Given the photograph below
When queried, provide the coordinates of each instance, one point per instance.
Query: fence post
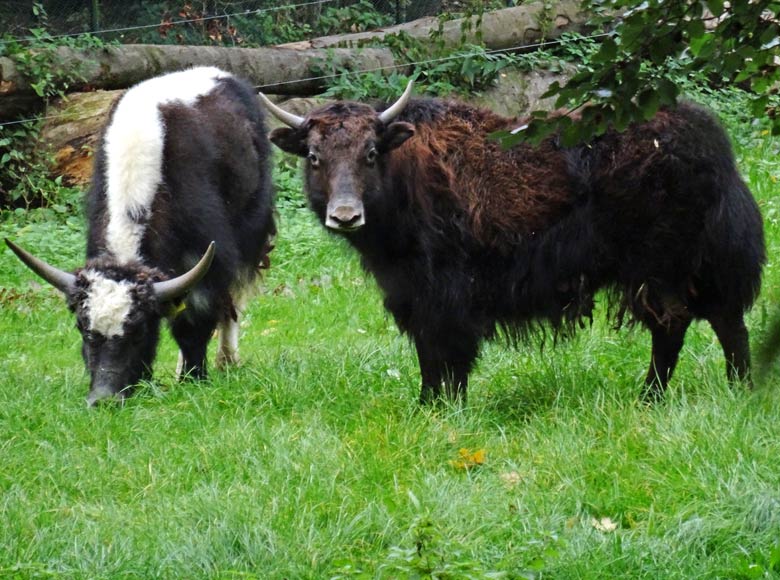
(95, 15)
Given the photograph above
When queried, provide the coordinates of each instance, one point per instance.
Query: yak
(179, 216)
(466, 239)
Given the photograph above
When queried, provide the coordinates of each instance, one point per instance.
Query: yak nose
(345, 217)
(102, 394)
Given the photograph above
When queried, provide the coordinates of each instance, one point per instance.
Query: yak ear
(290, 140)
(395, 135)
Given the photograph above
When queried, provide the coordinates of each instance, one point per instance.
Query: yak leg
(667, 343)
(193, 340)
(227, 349)
(733, 337)
(444, 365)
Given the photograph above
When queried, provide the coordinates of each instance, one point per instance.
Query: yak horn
(293, 121)
(171, 289)
(62, 281)
(395, 109)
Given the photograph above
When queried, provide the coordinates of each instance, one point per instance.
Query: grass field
(313, 459)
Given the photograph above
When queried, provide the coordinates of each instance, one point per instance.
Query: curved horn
(293, 121)
(395, 109)
(62, 281)
(172, 289)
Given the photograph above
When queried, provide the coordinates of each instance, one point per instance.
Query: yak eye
(313, 159)
(95, 338)
(371, 155)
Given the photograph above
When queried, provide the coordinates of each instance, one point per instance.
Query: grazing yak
(464, 237)
(179, 219)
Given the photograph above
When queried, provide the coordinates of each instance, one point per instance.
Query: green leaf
(552, 90)
(715, 6)
(39, 88)
(695, 29)
(758, 105)
(538, 130)
(759, 84)
(608, 51)
(732, 62)
(769, 38)
(702, 46)
(648, 102)
(745, 74)
(667, 91)
(573, 134)
(661, 48)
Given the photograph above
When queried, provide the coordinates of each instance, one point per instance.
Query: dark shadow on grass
(522, 401)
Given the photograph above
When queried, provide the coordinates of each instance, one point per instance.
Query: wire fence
(230, 22)
(63, 18)
(413, 64)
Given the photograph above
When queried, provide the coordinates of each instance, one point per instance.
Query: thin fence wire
(418, 63)
(143, 21)
(172, 23)
(459, 56)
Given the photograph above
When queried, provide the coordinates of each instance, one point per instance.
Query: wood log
(500, 29)
(73, 128)
(276, 70)
(71, 133)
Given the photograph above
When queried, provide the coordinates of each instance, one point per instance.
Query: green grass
(313, 459)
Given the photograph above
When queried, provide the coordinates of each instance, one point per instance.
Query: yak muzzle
(108, 387)
(345, 217)
(103, 395)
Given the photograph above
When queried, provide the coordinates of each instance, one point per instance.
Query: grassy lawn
(313, 459)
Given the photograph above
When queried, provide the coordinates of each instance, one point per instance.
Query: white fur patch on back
(134, 152)
(107, 305)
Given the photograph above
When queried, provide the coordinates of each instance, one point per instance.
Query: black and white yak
(179, 219)
(464, 237)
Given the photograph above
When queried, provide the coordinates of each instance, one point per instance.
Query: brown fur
(464, 236)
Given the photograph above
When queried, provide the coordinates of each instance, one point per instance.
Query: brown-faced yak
(464, 237)
(183, 163)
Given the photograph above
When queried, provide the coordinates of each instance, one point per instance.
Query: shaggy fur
(464, 237)
(212, 183)
(134, 143)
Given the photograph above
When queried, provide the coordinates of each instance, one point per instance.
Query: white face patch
(134, 152)
(107, 305)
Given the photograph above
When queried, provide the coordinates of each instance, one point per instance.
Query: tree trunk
(276, 70)
(500, 29)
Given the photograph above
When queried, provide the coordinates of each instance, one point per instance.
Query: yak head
(118, 311)
(345, 145)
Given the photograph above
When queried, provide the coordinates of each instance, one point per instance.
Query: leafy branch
(652, 49)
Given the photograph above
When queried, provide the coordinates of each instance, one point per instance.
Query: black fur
(658, 216)
(216, 187)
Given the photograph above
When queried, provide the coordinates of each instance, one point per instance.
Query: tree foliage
(649, 49)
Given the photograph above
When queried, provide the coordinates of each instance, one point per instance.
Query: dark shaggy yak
(183, 162)
(464, 237)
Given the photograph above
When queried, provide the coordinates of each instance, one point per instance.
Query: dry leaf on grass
(468, 459)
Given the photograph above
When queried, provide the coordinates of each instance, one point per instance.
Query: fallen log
(73, 126)
(500, 29)
(276, 70)
(71, 132)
